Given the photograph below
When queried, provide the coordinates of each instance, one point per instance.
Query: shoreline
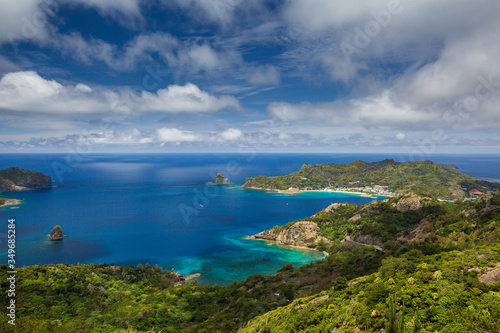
(294, 192)
(291, 247)
(11, 202)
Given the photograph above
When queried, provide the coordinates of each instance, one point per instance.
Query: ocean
(161, 209)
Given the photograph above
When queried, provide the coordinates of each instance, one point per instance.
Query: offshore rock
(220, 180)
(56, 233)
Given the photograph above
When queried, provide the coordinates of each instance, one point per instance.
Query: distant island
(386, 178)
(219, 179)
(17, 179)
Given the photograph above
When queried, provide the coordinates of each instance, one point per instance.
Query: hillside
(13, 179)
(439, 260)
(385, 177)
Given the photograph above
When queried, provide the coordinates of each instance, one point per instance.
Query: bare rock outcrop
(491, 275)
(299, 234)
(410, 202)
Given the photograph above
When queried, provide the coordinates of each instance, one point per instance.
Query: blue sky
(396, 76)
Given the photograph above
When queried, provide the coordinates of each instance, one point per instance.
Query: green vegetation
(433, 275)
(412, 293)
(421, 177)
(12, 177)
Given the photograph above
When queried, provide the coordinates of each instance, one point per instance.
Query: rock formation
(220, 180)
(300, 234)
(411, 202)
(56, 233)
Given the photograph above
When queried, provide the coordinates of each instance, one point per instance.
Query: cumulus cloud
(230, 134)
(29, 92)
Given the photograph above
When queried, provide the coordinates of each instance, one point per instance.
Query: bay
(160, 209)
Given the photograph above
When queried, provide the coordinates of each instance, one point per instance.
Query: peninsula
(16, 179)
(386, 178)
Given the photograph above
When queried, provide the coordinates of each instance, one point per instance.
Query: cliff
(300, 234)
(15, 179)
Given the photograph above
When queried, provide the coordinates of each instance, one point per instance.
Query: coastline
(292, 247)
(294, 192)
(11, 202)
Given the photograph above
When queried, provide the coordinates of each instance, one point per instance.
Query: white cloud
(176, 135)
(231, 134)
(179, 56)
(127, 8)
(265, 75)
(29, 92)
(25, 20)
(203, 57)
(380, 112)
(220, 11)
(188, 98)
(449, 51)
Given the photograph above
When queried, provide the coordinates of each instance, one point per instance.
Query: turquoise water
(159, 209)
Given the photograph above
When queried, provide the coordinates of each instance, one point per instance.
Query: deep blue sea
(160, 209)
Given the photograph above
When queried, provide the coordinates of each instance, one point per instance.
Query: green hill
(421, 177)
(14, 178)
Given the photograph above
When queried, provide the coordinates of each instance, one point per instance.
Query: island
(17, 179)
(219, 179)
(384, 178)
(56, 233)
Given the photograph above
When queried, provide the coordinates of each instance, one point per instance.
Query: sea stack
(56, 233)
(220, 180)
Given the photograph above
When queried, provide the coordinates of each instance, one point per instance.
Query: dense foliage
(438, 293)
(422, 177)
(426, 276)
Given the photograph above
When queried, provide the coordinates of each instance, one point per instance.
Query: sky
(384, 76)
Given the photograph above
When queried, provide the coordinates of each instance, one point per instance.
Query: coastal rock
(300, 234)
(334, 206)
(15, 179)
(219, 179)
(410, 202)
(178, 278)
(56, 233)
